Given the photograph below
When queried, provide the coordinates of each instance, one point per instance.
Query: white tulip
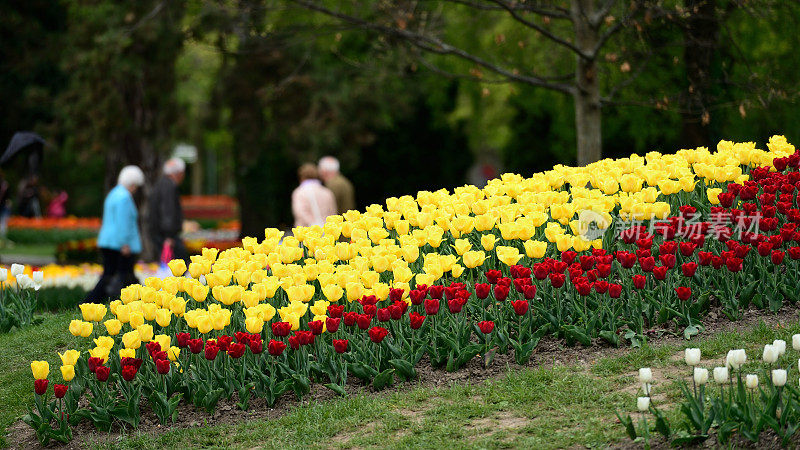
(735, 358)
(646, 388)
(38, 277)
(721, 375)
(17, 269)
(770, 355)
(700, 376)
(751, 381)
(24, 281)
(692, 356)
(643, 403)
(4, 276)
(780, 344)
(645, 375)
(779, 377)
(795, 341)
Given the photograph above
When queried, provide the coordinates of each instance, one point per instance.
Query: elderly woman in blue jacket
(119, 240)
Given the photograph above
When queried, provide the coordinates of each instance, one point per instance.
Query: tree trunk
(700, 36)
(588, 118)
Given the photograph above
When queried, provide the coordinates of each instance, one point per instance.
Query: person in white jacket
(311, 201)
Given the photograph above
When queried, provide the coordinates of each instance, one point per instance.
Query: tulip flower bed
(443, 278)
(739, 405)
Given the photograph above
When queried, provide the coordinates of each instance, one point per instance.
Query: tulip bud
(721, 375)
(779, 377)
(17, 270)
(692, 356)
(700, 376)
(779, 345)
(751, 381)
(770, 355)
(645, 375)
(643, 403)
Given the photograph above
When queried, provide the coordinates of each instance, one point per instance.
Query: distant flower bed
(50, 223)
(209, 207)
(604, 253)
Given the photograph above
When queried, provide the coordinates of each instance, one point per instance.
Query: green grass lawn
(553, 407)
(29, 249)
(17, 349)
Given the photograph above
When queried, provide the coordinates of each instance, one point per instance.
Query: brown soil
(550, 352)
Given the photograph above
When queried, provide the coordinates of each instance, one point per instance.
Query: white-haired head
(130, 177)
(328, 166)
(174, 166)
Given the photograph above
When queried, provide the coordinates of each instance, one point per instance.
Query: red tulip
(223, 342)
(162, 365)
(340, 345)
(60, 390)
(493, 275)
(335, 311)
(417, 296)
(40, 386)
(614, 290)
(236, 350)
(370, 310)
(396, 294)
(129, 372)
(455, 306)
(689, 269)
(350, 318)
(384, 315)
(416, 320)
(500, 292)
(332, 324)
(256, 346)
(316, 327)
(436, 291)
(557, 280)
(294, 342)
(530, 292)
(482, 290)
(639, 281)
(777, 257)
(276, 348)
(281, 329)
(431, 307)
(377, 334)
(520, 307)
(196, 345)
(102, 373)
(183, 339)
(486, 326)
(211, 352)
(683, 292)
(363, 321)
(396, 311)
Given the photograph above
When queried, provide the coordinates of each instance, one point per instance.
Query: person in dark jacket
(165, 219)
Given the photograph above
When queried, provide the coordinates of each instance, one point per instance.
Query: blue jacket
(120, 226)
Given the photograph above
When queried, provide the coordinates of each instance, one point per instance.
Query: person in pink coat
(311, 201)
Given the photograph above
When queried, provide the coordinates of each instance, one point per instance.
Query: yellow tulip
(149, 311)
(75, 327)
(332, 292)
(136, 319)
(113, 326)
(40, 369)
(204, 324)
(132, 340)
(86, 329)
(254, 325)
(153, 282)
(106, 342)
(100, 352)
(67, 372)
(173, 353)
(127, 353)
(319, 308)
(69, 357)
(178, 306)
(462, 246)
(163, 317)
(535, 249)
(123, 313)
(199, 293)
(508, 255)
(713, 195)
(488, 241)
(164, 341)
(145, 332)
(473, 259)
(177, 267)
(456, 270)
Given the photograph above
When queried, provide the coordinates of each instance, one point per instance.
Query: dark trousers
(117, 274)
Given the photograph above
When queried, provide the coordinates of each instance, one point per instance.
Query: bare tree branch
(543, 31)
(437, 46)
(557, 13)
